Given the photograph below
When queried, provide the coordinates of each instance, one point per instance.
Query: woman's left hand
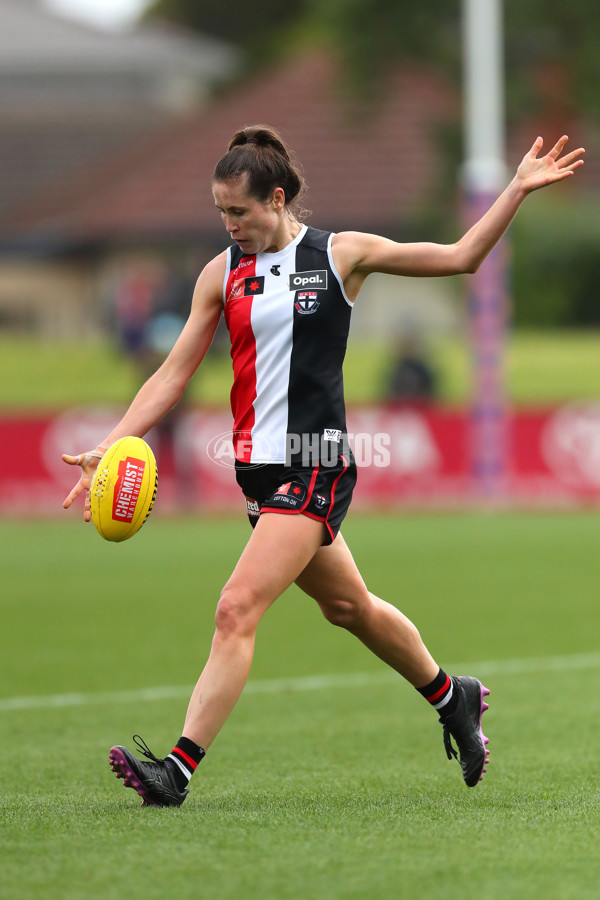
(534, 172)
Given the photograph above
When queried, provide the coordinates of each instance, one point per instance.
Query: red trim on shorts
(323, 520)
(314, 516)
(310, 489)
(334, 485)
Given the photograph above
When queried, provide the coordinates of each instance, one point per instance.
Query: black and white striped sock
(186, 755)
(440, 694)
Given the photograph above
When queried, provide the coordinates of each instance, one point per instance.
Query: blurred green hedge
(555, 271)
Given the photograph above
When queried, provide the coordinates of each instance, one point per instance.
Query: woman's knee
(236, 611)
(345, 611)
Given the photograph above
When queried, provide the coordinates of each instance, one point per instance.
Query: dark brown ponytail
(260, 152)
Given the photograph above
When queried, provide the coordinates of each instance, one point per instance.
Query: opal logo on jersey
(315, 280)
(306, 302)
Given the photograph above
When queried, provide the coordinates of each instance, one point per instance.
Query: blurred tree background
(370, 34)
(552, 56)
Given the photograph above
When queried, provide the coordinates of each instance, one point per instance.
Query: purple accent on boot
(484, 740)
(122, 769)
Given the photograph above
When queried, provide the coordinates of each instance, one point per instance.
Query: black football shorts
(322, 493)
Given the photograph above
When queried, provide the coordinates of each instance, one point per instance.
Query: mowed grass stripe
(568, 663)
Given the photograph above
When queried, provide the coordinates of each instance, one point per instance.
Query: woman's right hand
(89, 463)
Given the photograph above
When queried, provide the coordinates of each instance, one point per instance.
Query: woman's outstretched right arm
(166, 386)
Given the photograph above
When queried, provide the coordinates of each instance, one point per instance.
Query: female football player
(286, 291)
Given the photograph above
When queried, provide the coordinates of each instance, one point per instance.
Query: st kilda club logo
(306, 302)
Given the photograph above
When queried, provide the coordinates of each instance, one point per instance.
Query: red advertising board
(406, 457)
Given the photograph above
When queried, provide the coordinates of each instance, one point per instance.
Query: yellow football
(123, 489)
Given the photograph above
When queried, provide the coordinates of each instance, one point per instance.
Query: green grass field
(330, 779)
(541, 367)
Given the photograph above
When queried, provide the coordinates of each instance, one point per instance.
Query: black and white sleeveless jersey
(288, 318)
